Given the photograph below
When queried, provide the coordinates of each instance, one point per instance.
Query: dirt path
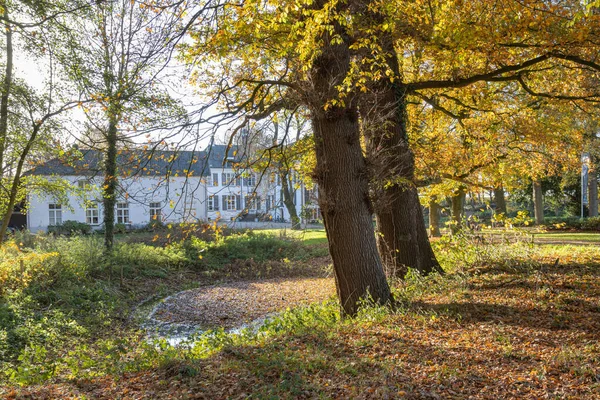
(233, 304)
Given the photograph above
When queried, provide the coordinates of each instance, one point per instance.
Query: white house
(168, 186)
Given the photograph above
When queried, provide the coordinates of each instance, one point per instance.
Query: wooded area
(451, 148)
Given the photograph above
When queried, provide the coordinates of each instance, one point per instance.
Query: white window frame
(228, 179)
(156, 211)
(215, 179)
(54, 214)
(212, 203)
(250, 180)
(231, 202)
(83, 184)
(251, 202)
(92, 214)
(122, 213)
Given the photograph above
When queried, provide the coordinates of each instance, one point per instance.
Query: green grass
(309, 237)
(571, 236)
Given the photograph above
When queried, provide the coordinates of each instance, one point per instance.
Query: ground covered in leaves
(230, 305)
(511, 321)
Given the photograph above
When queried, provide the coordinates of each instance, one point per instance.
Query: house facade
(165, 186)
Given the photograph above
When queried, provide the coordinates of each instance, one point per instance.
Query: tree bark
(288, 201)
(434, 217)
(401, 232)
(457, 209)
(6, 87)
(16, 182)
(342, 178)
(593, 193)
(500, 200)
(538, 203)
(110, 184)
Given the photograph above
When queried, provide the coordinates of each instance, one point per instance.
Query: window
(271, 203)
(230, 202)
(155, 212)
(122, 213)
(227, 178)
(83, 184)
(92, 214)
(250, 180)
(213, 203)
(250, 202)
(55, 214)
(215, 179)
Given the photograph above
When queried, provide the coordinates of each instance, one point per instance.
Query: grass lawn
(309, 237)
(570, 236)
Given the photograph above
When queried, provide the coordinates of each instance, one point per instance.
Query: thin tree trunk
(434, 217)
(6, 87)
(500, 200)
(342, 178)
(110, 184)
(16, 183)
(593, 193)
(288, 201)
(538, 203)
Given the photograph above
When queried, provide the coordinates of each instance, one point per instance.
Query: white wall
(182, 199)
(266, 186)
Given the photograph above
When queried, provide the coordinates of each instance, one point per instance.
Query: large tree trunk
(288, 200)
(500, 200)
(6, 87)
(342, 178)
(401, 232)
(593, 193)
(538, 203)
(110, 184)
(434, 217)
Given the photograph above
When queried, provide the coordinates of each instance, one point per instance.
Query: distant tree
(120, 59)
(28, 115)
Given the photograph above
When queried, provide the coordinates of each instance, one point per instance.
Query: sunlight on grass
(309, 236)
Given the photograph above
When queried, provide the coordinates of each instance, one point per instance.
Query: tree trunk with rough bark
(434, 217)
(288, 201)
(110, 184)
(458, 209)
(401, 232)
(342, 178)
(538, 203)
(500, 200)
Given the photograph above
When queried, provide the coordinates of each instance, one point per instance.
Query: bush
(70, 228)
(563, 223)
(155, 225)
(120, 228)
(592, 223)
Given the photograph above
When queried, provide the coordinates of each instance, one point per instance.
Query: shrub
(592, 223)
(120, 228)
(155, 225)
(70, 228)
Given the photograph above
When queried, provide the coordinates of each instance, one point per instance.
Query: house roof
(139, 162)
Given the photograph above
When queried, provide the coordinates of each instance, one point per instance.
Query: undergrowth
(62, 298)
(60, 317)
